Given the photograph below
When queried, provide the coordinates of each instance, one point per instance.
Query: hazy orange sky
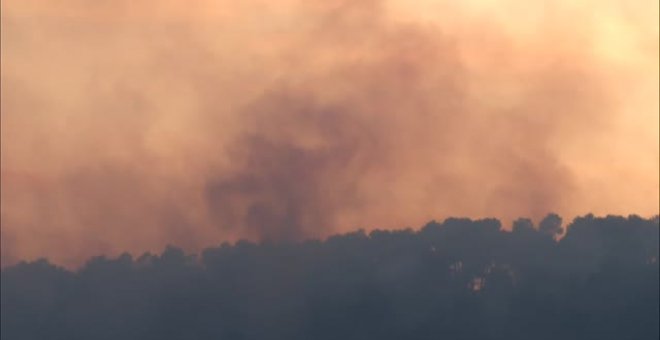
(130, 125)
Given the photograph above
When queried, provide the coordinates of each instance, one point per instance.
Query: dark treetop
(460, 279)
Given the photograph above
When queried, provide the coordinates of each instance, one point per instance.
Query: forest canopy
(596, 278)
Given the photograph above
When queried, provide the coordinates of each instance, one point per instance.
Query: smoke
(130, 126)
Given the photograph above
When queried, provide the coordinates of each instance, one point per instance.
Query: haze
(129, 126)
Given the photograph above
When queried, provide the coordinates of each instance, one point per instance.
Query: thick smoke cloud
(459, 279)
(130, 126)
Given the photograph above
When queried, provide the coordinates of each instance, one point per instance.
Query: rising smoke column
(128, 127)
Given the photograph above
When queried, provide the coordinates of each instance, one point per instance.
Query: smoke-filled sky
(130, 125)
